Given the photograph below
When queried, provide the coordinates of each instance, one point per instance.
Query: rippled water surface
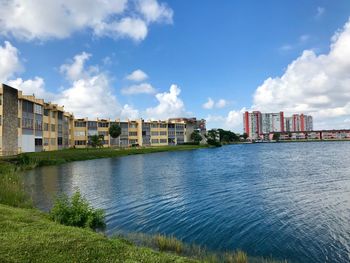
(289, 200)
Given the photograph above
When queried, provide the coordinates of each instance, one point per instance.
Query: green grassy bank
(70, 155)
(28, 235)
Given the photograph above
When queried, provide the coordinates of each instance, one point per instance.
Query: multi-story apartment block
(28, 124)
(257, 124)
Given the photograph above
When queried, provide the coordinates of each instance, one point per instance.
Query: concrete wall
(10, 121)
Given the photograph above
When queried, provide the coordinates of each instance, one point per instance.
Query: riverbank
(70, 155)
(27, 234)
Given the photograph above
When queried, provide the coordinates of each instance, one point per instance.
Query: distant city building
(257, 124)
(28, 124)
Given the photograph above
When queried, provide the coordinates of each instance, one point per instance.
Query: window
(92, 125)
(59, 141)
(27, 123)
(133, 125)
(38, 142)
(79, 133)
(103, 124)
(53, 141)
(132, 133)
(53, 127)
(154, 125)
(46, 126)
(154, 133)
(163, 141)
(179, 133)
(80, 124)
(59, 127)
(162, 125)
(154, 140)
(179, 126)
(133, 141)
(38, 109)
(171, 133)
(80, 142)
(103, 133)
(92, 132)
(28, 106)
(162, 133)
(46, 112)
(171, 126)
(46, 141)
(38, 125)
(60, 115)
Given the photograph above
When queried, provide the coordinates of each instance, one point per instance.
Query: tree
(96, 141)
(196, 137)
(212, 138)
(115, 131)
(245, 136)
(276, 136)
(227, 136)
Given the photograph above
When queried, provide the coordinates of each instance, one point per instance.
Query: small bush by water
(77, 212)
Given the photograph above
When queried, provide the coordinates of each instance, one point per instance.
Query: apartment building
(136, 132)
(28, 124)
(259, 125)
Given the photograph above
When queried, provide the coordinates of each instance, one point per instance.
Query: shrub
(169, 244)
(12, 190)
(77, 212)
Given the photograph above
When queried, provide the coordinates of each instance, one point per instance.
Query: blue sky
(222, 50)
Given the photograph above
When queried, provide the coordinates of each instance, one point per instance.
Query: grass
(12, 187)
(27, 235)
(70, 155)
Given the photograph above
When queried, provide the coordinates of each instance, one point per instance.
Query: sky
(156, 59)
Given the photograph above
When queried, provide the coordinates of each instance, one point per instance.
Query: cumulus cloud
(42, 19)
(169, 105)
(137, 75)
(210, 104)
(232, 121)
(314, 84)
(143, 88)
(221, 103)
(320, 11)
(155, 12)
(9, 61)
(34, 87)
(128, 112)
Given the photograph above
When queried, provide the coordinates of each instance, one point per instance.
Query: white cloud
(209, 104)
(315, 84)
(34, 86)
(155, 12)
(127, 27)
(320, 11)
(143, 88)
(128, 112)
(232, 121)
(9, 61)
(137, 75)
(75, 70)
(43, 19)
(221, 103)
(169, 105)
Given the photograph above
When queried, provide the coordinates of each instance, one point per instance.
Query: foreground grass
(27, 235)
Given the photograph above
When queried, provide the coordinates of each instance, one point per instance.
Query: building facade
(28, 124)
(258, 125)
